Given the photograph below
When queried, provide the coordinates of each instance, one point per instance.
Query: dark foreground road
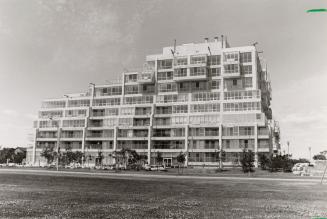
(53, 195)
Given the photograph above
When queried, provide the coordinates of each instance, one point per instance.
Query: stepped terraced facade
(194, 98)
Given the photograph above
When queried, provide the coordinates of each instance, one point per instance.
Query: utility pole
(310, 154)
(288, 147)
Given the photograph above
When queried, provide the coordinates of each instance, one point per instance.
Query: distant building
(194, 98)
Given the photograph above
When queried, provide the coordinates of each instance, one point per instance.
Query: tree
(127, 157)
(264, 161)
(247, 161)
(180, 159)
(99, 158)
(319, 157)
(7, 154)
(48, 153)
(281, 162)
(159, 159)
(79, 157)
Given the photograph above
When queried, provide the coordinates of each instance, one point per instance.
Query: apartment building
(197, 99)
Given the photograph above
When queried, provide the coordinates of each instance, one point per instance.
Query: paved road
(150, 176)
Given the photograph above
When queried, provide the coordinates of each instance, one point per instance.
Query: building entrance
(168, 162)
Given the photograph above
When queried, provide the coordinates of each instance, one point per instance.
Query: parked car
(300, 169)
(155, 167)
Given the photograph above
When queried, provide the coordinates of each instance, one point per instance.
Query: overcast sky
(49, 48)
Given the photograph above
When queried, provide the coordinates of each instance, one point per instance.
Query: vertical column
(256, 145)
(220, 145)
(34, 147)
(149, 143)
(254, 69)
(115, 138)
(115, 142)
(83, 139)
(188, 63)
(186, 144)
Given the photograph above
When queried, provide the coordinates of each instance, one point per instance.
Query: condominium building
(197, 99)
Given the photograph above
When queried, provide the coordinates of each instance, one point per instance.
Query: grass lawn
(27, 195)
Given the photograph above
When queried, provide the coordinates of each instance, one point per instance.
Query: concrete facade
(196, 99)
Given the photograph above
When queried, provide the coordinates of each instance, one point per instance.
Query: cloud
(10, 112)
(311, 117)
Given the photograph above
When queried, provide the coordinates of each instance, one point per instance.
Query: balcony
(194, 73)
(145, 78)
(231, 71)
(198, 61)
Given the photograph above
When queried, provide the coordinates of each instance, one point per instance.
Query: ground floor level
(166, 157)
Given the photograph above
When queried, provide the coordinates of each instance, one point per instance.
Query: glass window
(198, 59)
(165, 64)
(198, 71)
(180, 61)
(246, 69)
(214, 60)
(246, 57)
(180, 72)
(247, 82)
(215, 72)
(231, 68)
(215, 84)
(231, 56)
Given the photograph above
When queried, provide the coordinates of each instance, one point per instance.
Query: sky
(49, 48)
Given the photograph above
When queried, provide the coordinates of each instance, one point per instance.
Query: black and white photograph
(163, 109)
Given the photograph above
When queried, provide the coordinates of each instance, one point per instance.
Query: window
(178, 120)
(215, 84)
(204, 119)
(75, 113)
(180, 61)
(50, 114)
(138, 100)
(131, 78)
(236, 95)
(214, 60)
(242, 106)
(231, 68)
(198, 59)
(210, 107)
(73, 123)
(231, 56)
(234, 82)
(198, 71)
(247, 82)
(169, 87)
(215, 72)
(180, 72)
(172, 98)
(246, 131)
(106, 102)
(53, 104)
(78, 103)
(205, 96)
(165, 64)
(246, 69)
(131, 89)
(179, 109)
(163, 76)
(246, 57)
(127, 111)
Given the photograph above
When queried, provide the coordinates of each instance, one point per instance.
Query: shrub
(263, 161)
(319, 157)
(247, 161)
